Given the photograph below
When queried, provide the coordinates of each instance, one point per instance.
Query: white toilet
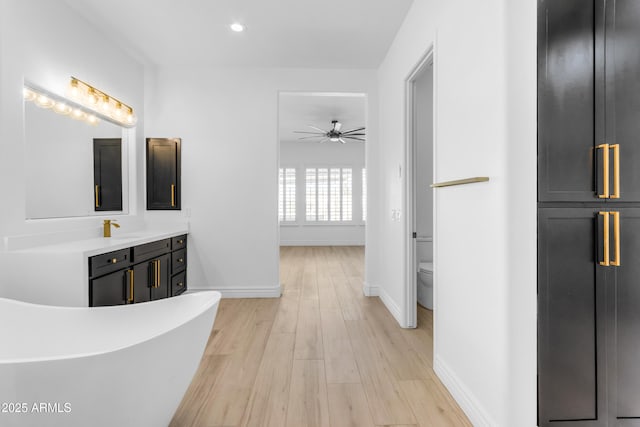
(425, 285)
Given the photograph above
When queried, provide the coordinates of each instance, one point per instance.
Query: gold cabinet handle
(616, 171)
(180, 284)
(616, 237)
(97, 196)
(131, 285)
(114, 260)
(605, 171)
(156, 273)
(173, 195)
(180, 259)
(180, 242)
(605, 220)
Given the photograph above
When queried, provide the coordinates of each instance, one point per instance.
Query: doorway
(322, 171)
(419, 196)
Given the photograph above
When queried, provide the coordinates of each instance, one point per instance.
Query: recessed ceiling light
(238, 28)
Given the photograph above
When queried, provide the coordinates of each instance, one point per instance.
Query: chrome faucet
(107, 227)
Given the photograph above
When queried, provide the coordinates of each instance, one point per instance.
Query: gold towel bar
(460, 181)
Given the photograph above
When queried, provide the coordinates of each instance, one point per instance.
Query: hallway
(322, 355)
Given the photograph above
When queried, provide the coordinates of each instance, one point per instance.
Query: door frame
(410, 297)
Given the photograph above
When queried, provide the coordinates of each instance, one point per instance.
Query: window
(329, 194)
(364, 194)
(287, 194)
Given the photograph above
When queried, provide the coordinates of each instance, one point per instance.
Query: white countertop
(101, 245)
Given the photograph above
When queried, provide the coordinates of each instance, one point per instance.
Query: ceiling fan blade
(337, 126)
(353, 130)
(354, 134)
(324, 140)
(352, 137)
(314, 133)
(313, 127)
(312, 136)
(342, 140)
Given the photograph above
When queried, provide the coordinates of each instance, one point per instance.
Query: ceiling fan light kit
(334, 134)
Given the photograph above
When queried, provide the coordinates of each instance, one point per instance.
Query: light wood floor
(322, 355)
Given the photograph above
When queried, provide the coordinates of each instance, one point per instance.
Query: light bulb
(44, 101)
(78, 114)
(28, 94)
(92, 98)
(334, 139)
(74, 91)
(61, 108)
(92, 120)
(237, 27)
(104, 104)
(118, 110)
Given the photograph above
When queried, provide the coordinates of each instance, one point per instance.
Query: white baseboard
(474, 411)
(273, 292)
(391, 305)
(370, 290)
(322, 243)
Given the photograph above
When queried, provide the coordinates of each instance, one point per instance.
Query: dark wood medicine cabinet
(163, 174)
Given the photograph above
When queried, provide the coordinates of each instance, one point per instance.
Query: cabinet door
(623, 92)
(163, 173)
(163, 281)
(107, 174)
(623, 296)
(569, 85)
(109, 290)
(571, 318)
(143, 274)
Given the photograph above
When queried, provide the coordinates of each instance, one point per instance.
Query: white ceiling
(299, 110)
(279, 33)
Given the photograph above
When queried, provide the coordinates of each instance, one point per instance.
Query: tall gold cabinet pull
(605, 171)
(616, 237)
(173, 195)
(156, 273)
(131, 285)
(616, 171)
(97, 196)
(605, 240)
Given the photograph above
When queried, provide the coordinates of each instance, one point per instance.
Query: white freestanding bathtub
(104, 366)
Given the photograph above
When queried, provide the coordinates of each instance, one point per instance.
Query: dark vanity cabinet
(163, 173)
(142, 273)
(588, 213)
(107, 174)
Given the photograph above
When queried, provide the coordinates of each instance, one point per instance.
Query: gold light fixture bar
(102, 103)
(460, 182)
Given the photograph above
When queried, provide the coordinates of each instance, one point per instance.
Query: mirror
(59, 164)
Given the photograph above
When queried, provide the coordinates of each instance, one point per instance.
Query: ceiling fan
(334, 134)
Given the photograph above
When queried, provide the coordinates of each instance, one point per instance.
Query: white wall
(228, 121)
(45, 43)
(485, 286)
(311, 154)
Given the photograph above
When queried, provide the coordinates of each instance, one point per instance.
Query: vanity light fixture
(101, 103)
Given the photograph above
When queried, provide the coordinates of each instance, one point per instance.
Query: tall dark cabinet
(107, 174)
(163, 173)
(589, 213)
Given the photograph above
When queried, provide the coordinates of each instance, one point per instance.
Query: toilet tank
(424, 249)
